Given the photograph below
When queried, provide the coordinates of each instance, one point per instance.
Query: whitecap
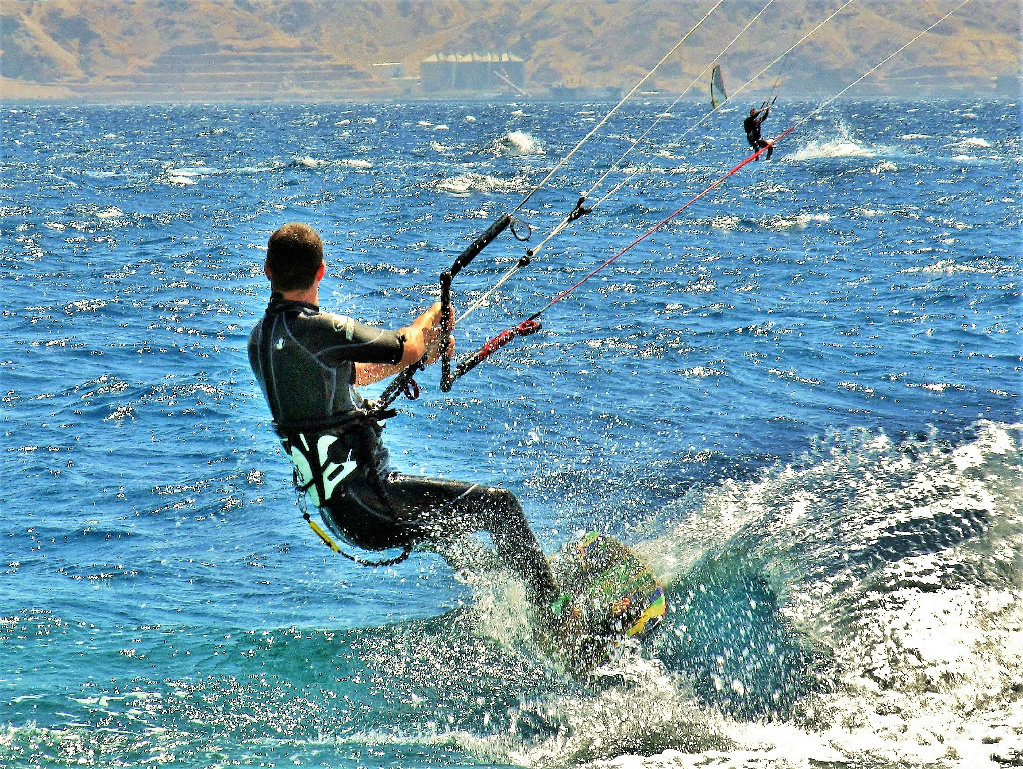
(975, 141)
(725, 222)
(518, 143)
(805, 218)
(120, 413)
(192, 170)
(472, 182)
(85, 305)
(703, 372)
(459, 185)
(799, 221)
(838, 148)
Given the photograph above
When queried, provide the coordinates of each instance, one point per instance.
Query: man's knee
(498, 498)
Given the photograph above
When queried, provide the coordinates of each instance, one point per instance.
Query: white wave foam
(902, 559)
(703, 372)
(186, 175)
(306, 161)
(951, 267)
(474, 182)
(518, 143)
(644, 707)
(975, 141)
(797, 222)
(834, 148)
(85, 305)
(459, 185)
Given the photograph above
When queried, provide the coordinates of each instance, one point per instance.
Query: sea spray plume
(517, 143)
(875, 574)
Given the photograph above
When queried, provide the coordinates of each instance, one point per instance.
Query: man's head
(294, 256)
(753, 110)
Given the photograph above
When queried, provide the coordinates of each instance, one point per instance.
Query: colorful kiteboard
(609, 596)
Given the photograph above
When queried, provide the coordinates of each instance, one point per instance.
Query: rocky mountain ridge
(239, 50)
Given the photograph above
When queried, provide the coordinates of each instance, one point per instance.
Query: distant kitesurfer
(309, 364)
(752, 126)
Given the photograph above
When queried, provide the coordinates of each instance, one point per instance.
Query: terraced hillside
(230, 50)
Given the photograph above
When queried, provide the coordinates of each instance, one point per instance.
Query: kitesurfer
(309, 364)
(752, 126)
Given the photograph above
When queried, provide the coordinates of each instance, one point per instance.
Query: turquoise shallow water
(799, 401)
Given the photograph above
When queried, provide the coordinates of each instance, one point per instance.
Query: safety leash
(320, 532)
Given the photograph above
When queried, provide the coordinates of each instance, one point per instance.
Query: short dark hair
(294, 254)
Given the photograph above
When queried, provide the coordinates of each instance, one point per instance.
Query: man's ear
(321, 271)
(266, 269)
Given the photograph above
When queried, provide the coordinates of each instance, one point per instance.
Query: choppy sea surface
(800, 401)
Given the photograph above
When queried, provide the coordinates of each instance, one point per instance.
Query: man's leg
(439, 510)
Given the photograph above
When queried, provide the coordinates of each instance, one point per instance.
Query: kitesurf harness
(319, 466)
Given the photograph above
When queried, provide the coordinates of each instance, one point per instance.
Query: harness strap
(406, 551)
(315, 473)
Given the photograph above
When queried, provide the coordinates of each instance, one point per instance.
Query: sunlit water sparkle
(799, 401)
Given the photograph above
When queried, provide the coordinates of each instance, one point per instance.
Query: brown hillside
(126, 50)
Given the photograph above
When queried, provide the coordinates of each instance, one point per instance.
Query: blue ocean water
(799, 401)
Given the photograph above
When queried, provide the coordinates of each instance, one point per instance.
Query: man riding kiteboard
(752, 127)
(309, 364)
